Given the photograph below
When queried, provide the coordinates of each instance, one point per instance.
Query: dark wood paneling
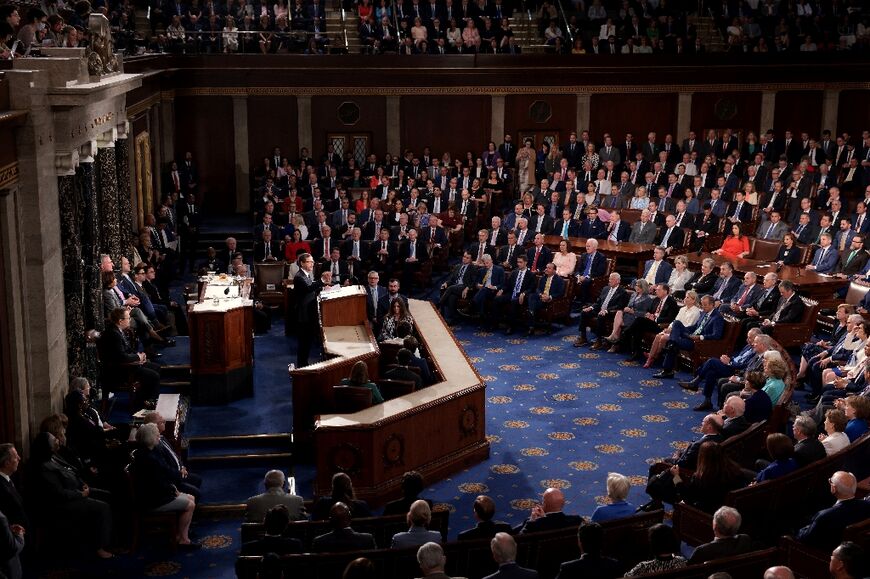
(634, 113)
(204, 126)
(797, 111)
(7, 396)
(517, 117)
(372, 121)
(272, 123)
(713, 110)
(853, 115)
(446, 123)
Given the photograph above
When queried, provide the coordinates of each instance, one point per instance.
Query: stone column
(684, 115)
(394, 128)
(243, 161)
(91, 220)
(768, 109)
(830, 110)
(497, 125)
(303, 123)
(73, 269)
(107, 193)
(125, 203)
(584, 112)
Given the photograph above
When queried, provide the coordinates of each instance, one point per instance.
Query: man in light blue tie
(511, 298)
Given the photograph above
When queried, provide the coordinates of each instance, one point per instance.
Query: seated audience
(257, 506)
(504, 552)
(781, 451)
(432, 561)
(618, 487)
(857, 411)
(590, 538)
(663, 544)
(185, 481)
(403, 371)
(726, 540)
(687, 316)
(735, 422)
(274, 524)
(548, 515)
(412, 486)
(359, 378)
(419, 516)
(825, 531)
(342, 492)
(834, 438)
(486, 528)
(342, 537)
(152, 480)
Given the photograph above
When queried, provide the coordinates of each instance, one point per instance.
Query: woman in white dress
(230, 36)
(688, 315)
(680, 276)
(526, 166)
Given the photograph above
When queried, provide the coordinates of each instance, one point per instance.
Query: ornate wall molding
(8, 175)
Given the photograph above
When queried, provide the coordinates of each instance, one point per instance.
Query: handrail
(565, 22)
(344, 28)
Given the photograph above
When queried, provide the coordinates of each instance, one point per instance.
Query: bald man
(504, 552)
(778, 572)
(826, 529)
(548, 515)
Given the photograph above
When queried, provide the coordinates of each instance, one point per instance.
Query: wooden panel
(204, 126)
(634, 113)
(7, 395)
(725, 110)
(272, 123)
(372, 120)
(518, 115)
(446, 123)
(853, 115)
(798, 111)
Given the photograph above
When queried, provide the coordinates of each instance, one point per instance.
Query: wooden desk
(635, 253)
(222, 343)
(818, 287)
(436, 430)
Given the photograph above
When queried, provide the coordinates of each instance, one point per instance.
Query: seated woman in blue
(617, 490)
(775, 371)
(857, 409)
(359, 377)
(781, 450)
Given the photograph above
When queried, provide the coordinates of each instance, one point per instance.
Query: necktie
(659, 308)
(375, 298)
(588, 269)
(326, 248)
(737, 210)
(667, 236)
(535, 261)
(701, 325)
(859, 222)
(480, 249)
(848, 259)
(821, 255)
(547, 285)
(606, 301)
(487, 276)
(413, 247)
(743, 297)
(651, 274)
(721, 290)
(565, 229)
(356, 250)
(769, 229)
(799, 230)
(268, 250)
(520, 274)
(539, 224)
(842, 242)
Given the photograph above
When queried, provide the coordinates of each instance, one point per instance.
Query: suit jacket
(545, 257)
(257, 506)
(116, 353)
(623, 230)
(573, 228)
(484, 530)
(778, 203)
(754, 293)
(528, 285)
(676, 239)
(11, 546)
(617, 302)
(496, 277)
(342, 540)
(11, 504)
(467, 278)
(808, 450)
(734, 426)
(769, 231)
(792, 310)
(687, 220)
(557, 286)
(766, 305)
(414, 537)
(550, 522)
(513, 571)
(403, 373)
(369, 230)
(703, 284)
(588, 566)
(474, 249)
(375, 247)
(853, 266)
(689, 458)
(500, 236)
(421, 251)
(276, 252)
(745, 213)
(825, 261)
(669, 310)
(440, 237)
(713, 329)
(731, 286)
(719, 548)
(662, 275)
(807, 235)
(306, 297)
(643, 232)
(546, 223)
(599, 264)
(596, 229)
(826, 529)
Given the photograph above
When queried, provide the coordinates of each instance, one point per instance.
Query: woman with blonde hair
(688, 315)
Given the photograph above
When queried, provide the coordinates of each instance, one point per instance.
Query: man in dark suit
(342, 538)
(805, 231)
(789, 310)
(590, 540)
(709, 326)
(504, 552)
(511, 298)
(761, 308)
(566, 227)
(671, 237)
(375, 299)
(540, 221)
(119, 360)
(650, 148)
(613, 298)
(508, 151)
(548, 516)
(739, 211)
(591, 265)
(274, 524)
(434, 236)
(412, 255)
(382, 253)
(481, 247)
(459, 285)
(490, 278)
(11, 503)
(550, 287)
(617, 229)
(733, 411)
(305, 290)
(402, 371)
(705, 226)
(726, 286)
(826, 529)
(807, 447)
(337, 267)
(726, 540)
(486, 528)
(184, 480)
(657, 270)
(573, 150)
(539, 255)
(507, 255)
(592, 227)
(267, 249)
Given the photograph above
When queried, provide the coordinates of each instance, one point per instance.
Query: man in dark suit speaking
(305, 289)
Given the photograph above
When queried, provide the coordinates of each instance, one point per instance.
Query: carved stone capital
(65, 162)
(107, 139)
(87, 152)
(123, 130)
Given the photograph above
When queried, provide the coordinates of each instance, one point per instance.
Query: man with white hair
(726, 541)
(778, 572)
(826, 529)
(732, 410)
(257, 506)
(185, 481)
(419, 516)
(432, 561)
(613, 298)
(504, 551)
(618, 487)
